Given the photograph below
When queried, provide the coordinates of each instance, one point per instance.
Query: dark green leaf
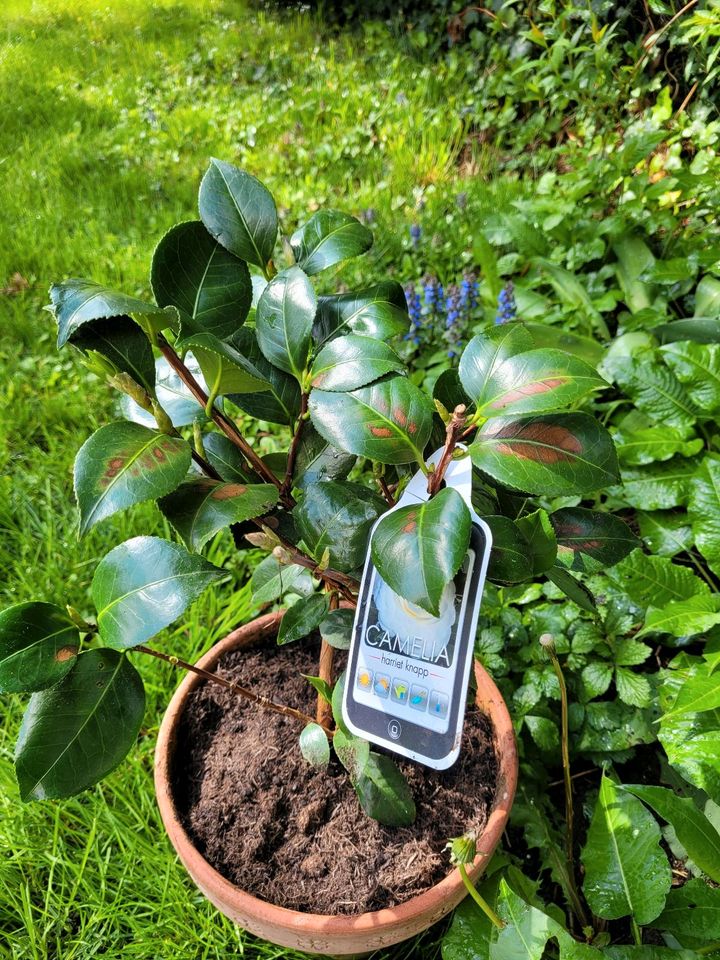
(350, 362)
(609, 726)
(76, 302)
(554, 454)
(280, 400)
(692, 910)
(573, 588)
(590, 540)
(314, 745)
(284, 319)
(336, 516)
(38, 646)
(200, 508)
(384, 793)
(320, 686)
(655, 580)
(210, 287)
(696, 329)
(389, 421)
(76, 732)
(418, 549)
(666, 532)
(471, 933)
(510, 560)
(540, 538)
(336, 628)
(122, 464)
(304, 616)
(239, 212)
(272, 579)
(627, 872)
(704, 510)
(697, 366)
(352, 752)
(143, 585)
(707, 297)
(123, 344)
(449, 391)
(329, 237)
(694, 831)
(225, 457)
(225, 369)
(337, 699)
(379, 311)
(484, 354)
(318, 460)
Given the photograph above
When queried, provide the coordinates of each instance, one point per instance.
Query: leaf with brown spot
(389, 421)
(125, 463)
(350, 362)
(591, 540)
(38, 646)
(532, 382)
(555, 454)
(200, 508)
(417, 550)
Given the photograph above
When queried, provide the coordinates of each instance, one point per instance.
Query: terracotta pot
(317, 933)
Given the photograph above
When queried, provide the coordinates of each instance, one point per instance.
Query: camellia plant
(221, 346)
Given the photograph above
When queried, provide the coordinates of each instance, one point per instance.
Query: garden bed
(295, 835)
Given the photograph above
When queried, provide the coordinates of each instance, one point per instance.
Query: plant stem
(325, 672)
(452, 434)
(483, 904)
(294, 446)
(248, 694)
(225, 424)
(386, 492)
(637, 936)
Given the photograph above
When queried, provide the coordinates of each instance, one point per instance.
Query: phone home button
(394, 729)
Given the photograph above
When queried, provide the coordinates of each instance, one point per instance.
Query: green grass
(108, 115)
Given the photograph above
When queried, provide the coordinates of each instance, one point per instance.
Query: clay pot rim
(450, 887)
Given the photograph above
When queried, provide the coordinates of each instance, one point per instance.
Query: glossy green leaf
(224, 456)
(683, 618)
(589, 541)
(379, 311)
(707, 297)
(666, 532)
(634, 259)
(209, 286)
(384, 793)
(272, 579)
(694, 831)
(320, 686)
(336, 628)
(696, 329)
(122, 464)
(540, 538)
(531, 382)
(318, 460)
(704, 510)
(329, 237)
(609, 726)
(627, 872)
(573, 588)
(352, 752)
(75, 733)
(692, 910)
(239, 212)
(279, 402)
(284, 319)
(587, 349)
(225, 369)
(122, 345)
(143, 585)
(76, 302)
(654, 444)
(471, 933)
(697, 367)
(553, 454)
(699, 693)
(656, 581)
(418, 549)
(336, 516)
(304, 616)
(202, 507)
(389, 421)
(484, 354)
(510, 560)
(656, 391)
(352, 361)
(38, 646)
(659, 487)
(314, 745)
(450, 393)
(691, 741)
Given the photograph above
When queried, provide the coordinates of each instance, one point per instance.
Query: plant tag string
(408, 671)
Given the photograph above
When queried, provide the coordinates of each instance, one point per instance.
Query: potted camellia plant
(255, 767)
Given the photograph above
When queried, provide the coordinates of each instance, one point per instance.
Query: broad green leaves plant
(284, 317)
(329, 237)
(38, 646)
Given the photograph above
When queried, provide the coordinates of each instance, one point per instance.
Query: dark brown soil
(296, 836)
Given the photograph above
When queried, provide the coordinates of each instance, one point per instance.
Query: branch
(386, 491)
(324, 714)
(225, 424)
(248, 694)
(452, 434)
(294, 447)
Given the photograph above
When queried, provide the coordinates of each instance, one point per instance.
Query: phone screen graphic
(408, 670)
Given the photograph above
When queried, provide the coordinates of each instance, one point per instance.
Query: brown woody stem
(225, 424)
(452, 434)
(294, 447)
(325, 672)
(245, 692)
(386, 492)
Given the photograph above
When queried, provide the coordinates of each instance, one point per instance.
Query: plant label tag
(408, 671)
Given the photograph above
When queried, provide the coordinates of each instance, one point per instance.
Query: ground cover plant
(645, 168)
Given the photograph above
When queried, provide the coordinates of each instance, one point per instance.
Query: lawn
(576, 158)
(109, 115)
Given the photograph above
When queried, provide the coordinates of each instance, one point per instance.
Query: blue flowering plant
(237, 333)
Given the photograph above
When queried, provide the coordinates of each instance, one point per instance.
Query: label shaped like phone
(408, 671)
